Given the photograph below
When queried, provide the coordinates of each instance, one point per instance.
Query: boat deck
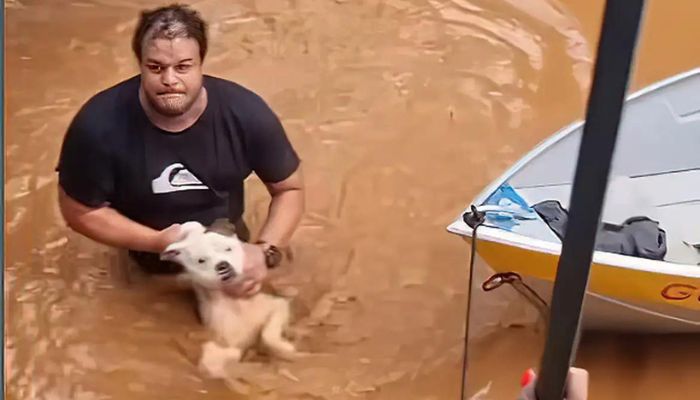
(655, 171)
(672, 199)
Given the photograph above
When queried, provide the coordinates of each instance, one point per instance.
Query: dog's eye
(228, 249)
(201, 260)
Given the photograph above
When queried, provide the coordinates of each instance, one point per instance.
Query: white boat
(655, 174)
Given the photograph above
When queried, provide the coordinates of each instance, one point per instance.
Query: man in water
(171, 145)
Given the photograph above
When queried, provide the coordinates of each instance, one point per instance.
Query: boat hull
(617, 299)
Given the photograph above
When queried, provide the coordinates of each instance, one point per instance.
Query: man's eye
(183, 68)
(155, 68)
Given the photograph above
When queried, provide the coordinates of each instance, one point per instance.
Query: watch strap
(273, 256)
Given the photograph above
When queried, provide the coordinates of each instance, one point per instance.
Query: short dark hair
(170, 22)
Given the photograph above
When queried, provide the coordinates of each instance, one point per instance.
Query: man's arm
(107, 226)
(274, 160)
(286, 209)
(285, 212)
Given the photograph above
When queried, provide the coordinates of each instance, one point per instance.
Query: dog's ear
(172, 251)
(222, 226)
(191, 227)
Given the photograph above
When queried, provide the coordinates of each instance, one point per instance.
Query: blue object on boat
(505, 207)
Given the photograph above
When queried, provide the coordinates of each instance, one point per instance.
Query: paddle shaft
(616, 48)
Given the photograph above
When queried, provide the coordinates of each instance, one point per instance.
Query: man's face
(171, 74)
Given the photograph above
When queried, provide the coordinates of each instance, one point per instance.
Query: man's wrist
(159, 240)
(155, 242)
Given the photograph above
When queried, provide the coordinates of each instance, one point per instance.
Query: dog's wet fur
(212, 257)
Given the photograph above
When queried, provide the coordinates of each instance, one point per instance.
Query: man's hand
(254, 273)
(576, 385)
(165, 237)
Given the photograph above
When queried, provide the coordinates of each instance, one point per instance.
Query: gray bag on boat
(637, 236)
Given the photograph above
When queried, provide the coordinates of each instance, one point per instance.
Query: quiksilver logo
(176, 178)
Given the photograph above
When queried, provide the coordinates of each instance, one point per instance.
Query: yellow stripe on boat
(607, 280)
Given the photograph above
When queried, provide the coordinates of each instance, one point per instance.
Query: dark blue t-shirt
(112, 154)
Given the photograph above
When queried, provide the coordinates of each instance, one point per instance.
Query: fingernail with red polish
(527, 377)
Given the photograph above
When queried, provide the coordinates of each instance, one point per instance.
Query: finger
(578, 374)
(577, 384)
(174, 232)
(253, 290)
(252, 286)
(527, 385)
(258, 274)
(527, 377)
(247, 286)
(231, 290)
(235, 288)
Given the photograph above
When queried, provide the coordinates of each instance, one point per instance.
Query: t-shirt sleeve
(85, 166)
(271, 154)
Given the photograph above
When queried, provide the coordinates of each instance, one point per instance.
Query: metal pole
(616, 50)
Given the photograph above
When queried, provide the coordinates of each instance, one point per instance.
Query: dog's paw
(283, 350)
(215, 358)
(297, 333)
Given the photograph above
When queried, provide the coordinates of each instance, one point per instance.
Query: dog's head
(209, 258)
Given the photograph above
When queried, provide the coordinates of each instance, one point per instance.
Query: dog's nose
(223, 267)
(225, 270)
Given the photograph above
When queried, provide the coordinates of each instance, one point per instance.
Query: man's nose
(167, 77)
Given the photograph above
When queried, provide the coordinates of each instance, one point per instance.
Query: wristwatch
(273, 256)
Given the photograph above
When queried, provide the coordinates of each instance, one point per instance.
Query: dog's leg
(203, 305)
(214, 359)
(272, 332)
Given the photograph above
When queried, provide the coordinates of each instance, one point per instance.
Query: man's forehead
(171, 50)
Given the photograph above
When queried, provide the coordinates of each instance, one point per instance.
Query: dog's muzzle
(225, 270)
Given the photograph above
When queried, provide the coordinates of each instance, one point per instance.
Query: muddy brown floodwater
(402, 111)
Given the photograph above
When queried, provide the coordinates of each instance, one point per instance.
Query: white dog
(210, 260)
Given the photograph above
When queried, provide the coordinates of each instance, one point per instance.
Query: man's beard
(170, 104)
